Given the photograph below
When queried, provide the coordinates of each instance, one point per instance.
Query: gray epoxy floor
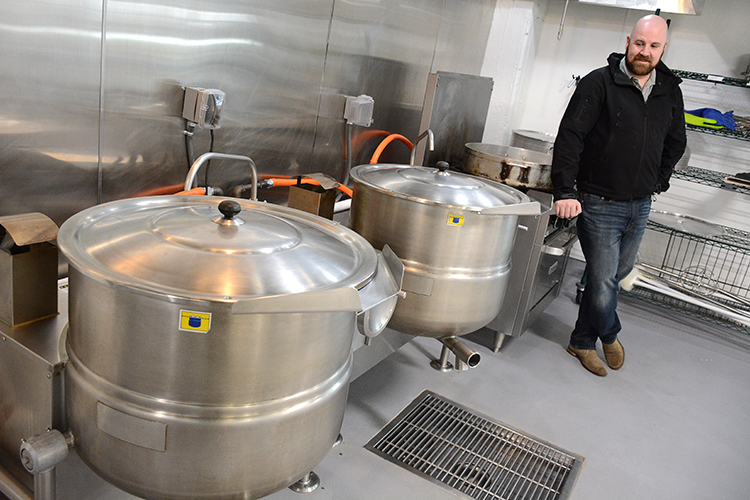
(671, 424)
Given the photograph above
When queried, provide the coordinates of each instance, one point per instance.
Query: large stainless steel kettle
(453, 232)
(210, 353)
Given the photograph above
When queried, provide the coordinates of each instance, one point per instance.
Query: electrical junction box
(203, 106)
(358, 110)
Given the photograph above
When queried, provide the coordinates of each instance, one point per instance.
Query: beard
(640, 65)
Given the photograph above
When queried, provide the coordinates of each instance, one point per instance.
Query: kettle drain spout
(465, 357)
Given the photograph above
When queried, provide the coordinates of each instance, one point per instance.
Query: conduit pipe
(696, 283)
(222, 156)
(430, 144)
(175, 188)
(342, 206)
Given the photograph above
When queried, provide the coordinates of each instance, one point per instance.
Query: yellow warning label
(455, 220)
(192, 321)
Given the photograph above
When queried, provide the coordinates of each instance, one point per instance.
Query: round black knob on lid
(229, 208)
(442, 166)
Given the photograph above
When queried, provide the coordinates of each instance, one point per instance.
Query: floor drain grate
(484, 459)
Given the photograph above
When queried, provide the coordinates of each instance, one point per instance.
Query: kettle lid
(186, 246)
(438, 186)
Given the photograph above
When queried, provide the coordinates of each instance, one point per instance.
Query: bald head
(653, 24)
(646, 45)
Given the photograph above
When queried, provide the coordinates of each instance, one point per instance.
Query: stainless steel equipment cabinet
(539, 259)
(31, 391)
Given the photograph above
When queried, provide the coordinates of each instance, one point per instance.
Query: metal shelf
(681, 307)
(703, 77)
(742, 131)
(709, 267)
(708, 178)
(732, 239)
(741, 134)
(713, 267)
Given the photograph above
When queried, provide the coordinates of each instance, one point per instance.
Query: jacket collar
(665, 79)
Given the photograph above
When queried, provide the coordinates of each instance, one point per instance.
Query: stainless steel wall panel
(267, 56)
(464, 28)
(91, 108)
(383, 49)
(455, 109)
(49, 106)
(387, 49)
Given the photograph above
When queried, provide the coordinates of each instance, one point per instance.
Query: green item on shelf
(699, 121)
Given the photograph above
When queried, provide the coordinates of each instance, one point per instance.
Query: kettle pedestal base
(442, 364)
(307, 484)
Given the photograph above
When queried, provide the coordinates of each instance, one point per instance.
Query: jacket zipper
(643, 147)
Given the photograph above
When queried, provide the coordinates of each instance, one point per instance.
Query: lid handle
(442, 166)
(229, 208)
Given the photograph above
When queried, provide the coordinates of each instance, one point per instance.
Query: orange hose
(363, 138)
(385, 142)
(281, 182)
(159, 191)
(198, 190)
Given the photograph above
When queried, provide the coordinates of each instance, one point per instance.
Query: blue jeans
(610, 233)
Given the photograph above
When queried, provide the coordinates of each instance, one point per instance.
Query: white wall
(715, 42)
(533, 69)
(509, 57)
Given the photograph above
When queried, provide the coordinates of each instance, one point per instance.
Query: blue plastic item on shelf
(724, 119)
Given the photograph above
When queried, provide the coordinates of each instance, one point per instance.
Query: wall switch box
(203, 106)
(358, 110)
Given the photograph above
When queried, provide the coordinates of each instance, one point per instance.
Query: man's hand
(567, 209)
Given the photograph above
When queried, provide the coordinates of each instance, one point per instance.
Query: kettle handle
(385, 286)
(379, 297)
(527, 208)
(334, 300)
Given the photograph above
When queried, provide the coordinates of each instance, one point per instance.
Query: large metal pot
(533, 141)
(210, 354)
(453, 232)
(515, 167)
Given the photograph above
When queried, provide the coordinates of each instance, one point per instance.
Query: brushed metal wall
(92, 90)
(49, 106)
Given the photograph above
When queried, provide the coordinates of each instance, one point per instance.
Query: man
(618, 141)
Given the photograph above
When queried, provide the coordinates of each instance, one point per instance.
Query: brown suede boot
(614, 353)
(589, 360)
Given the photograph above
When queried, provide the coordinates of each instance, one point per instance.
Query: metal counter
(539, 259)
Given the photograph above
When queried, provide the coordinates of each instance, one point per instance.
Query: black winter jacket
(612, 143)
